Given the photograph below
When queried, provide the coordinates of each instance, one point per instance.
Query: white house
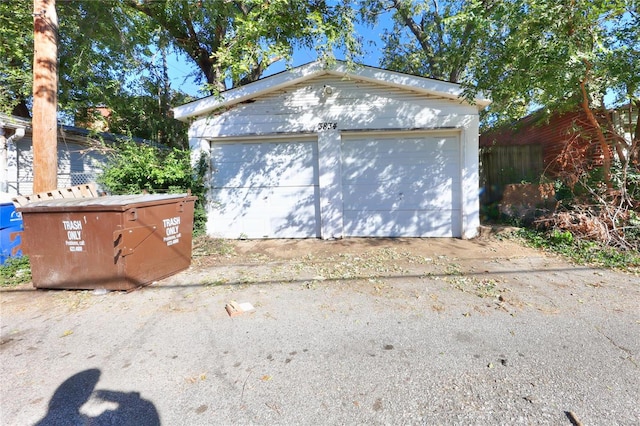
(331, 151)
(81, 155)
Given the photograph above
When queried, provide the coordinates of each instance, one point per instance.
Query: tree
(526, 53)
(110, 52)
(109, 56)
(100, 46)
(234, 42)
(548, 56)
(435, 39)
(540, 52)
(16, 57)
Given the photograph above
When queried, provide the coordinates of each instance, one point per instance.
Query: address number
(327, 126)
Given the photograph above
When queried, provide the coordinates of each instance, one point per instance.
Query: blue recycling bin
(10, 232)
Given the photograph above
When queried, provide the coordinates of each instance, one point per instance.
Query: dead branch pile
(608, 225)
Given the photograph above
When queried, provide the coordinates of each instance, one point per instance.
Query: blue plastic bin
(10, 232)
(9, 217)
(10, 243)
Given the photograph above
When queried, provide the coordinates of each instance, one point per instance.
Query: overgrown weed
(15, 271)
(581, 251)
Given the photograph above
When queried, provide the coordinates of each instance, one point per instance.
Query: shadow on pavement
(66, 403)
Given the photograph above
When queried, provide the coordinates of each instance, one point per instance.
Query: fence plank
(503, 165)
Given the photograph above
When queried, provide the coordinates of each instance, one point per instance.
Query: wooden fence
(503, 165)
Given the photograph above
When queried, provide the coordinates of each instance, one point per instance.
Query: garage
(339, 150)
(402, 185)
(266, 188)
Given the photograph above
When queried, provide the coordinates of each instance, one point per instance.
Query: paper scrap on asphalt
(246, 306)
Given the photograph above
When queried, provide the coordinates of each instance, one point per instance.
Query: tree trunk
(634, 154)
(602, 141)
(45, 95)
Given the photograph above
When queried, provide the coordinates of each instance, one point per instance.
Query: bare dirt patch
(470, 276)
(486, 273)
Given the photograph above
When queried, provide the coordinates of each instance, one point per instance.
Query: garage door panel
(378, 171)
(365, 173)
(263, 165)
(399, 197)
(399, 223)
(363, 163)
(242, 151)
(234, 175)
(265, 212)
(400, 147)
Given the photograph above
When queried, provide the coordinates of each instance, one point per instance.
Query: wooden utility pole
(45, 95)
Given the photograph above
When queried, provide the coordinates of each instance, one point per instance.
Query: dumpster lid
(108, 203)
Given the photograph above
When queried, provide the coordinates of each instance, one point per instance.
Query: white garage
(331, 151)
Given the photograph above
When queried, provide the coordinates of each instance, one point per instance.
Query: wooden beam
(45, 95)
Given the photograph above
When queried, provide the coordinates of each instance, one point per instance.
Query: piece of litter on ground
(233, 309)
(246, 306)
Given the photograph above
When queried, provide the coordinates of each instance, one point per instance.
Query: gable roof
(315, 69)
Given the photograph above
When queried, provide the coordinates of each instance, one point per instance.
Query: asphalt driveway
(407, 331)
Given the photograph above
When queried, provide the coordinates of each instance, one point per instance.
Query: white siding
(338, 70)
(469, 170)
(77, 164)
(24, 177)
(352, 105)
(12, 169)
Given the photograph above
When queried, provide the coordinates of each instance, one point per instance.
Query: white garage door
(266, 189)
(401, 186)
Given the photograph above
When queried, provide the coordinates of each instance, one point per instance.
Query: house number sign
(327, 126)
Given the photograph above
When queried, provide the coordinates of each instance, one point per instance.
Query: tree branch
(257, 71)
(415, 29)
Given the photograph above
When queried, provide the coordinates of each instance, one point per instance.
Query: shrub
(136, 168)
